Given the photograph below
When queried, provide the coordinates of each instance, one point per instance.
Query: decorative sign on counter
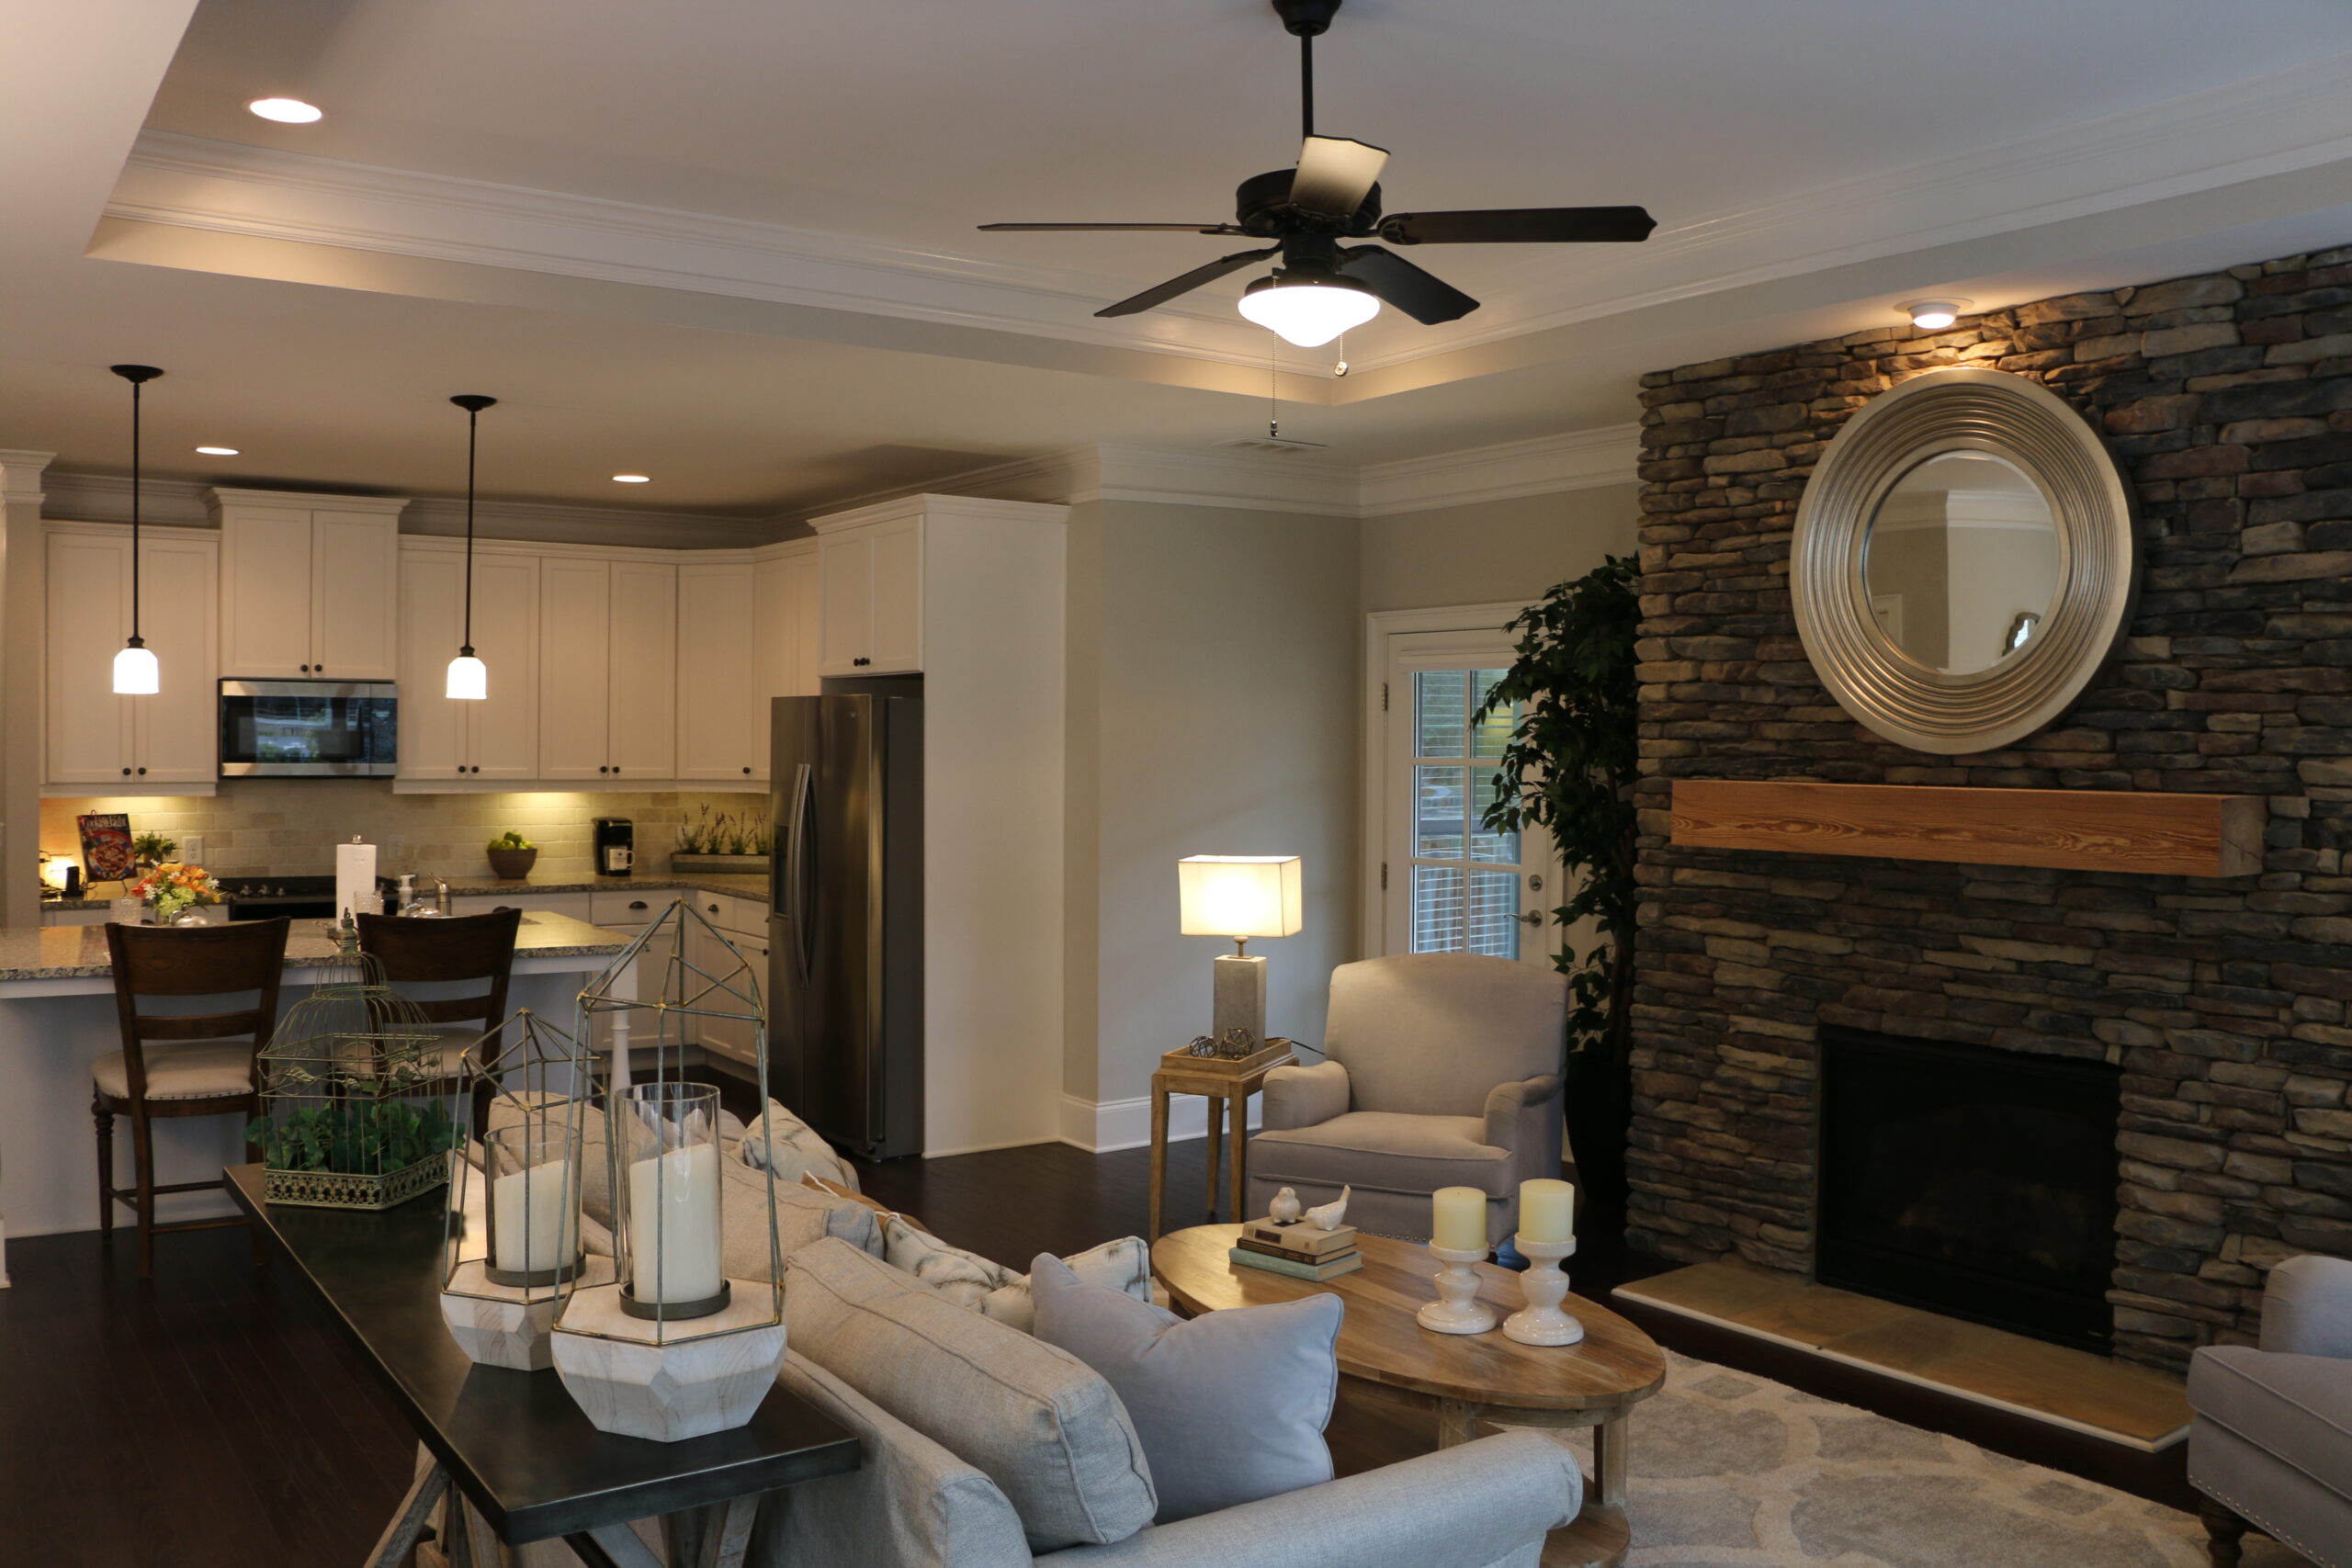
(106, 846)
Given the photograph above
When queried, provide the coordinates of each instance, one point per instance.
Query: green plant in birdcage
(353, 1096)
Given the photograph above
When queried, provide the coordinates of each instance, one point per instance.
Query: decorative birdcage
(352, 1112)
(515, 1245)
(673, 1348)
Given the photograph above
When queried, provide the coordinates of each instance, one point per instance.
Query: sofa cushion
(798, 1147)
(1231, 1405)
(1044, 1427)
(195, 1071)
(2298, 1408)
(1388, 1151)
(993, 1289)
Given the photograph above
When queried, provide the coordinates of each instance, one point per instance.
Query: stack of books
(1297, 1249)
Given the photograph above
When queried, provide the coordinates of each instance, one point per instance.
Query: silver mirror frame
(1880, 686)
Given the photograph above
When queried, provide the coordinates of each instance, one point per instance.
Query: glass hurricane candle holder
(668, 1205)
(532, 1170)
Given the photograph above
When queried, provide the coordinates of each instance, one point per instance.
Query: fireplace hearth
(1972, 1182)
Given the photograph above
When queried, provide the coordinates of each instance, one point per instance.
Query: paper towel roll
(354, 880)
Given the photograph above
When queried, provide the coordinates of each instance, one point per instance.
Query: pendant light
(136, 673)
(469, 677)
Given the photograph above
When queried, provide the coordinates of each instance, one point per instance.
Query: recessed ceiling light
(286, 111)
(217, 451)
(1934, 315)
(632, 479)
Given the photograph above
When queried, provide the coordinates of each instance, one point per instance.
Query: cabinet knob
(747, 770)
(306, 669)
(126, 773)
(143, 773)
(637, 904)
(477, 767)
(604, 770)
(861, 661)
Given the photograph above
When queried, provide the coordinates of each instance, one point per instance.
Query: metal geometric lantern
(514, 1247)
(673, 1348)
(351, 1116)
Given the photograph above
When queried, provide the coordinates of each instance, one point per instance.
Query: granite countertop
(65, 953)
(741, 885)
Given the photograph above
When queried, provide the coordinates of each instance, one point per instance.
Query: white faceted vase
(500, 1325)
(710, 1377)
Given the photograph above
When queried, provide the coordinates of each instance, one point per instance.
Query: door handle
(797, 901)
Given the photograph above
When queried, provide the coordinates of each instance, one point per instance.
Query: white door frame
(1379, 627)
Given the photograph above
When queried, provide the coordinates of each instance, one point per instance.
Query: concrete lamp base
(1241, 997)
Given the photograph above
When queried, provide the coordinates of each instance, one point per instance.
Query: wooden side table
(1228, 1083)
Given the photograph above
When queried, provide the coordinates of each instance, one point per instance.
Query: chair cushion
(199, 1070)
(2298, 1408)
(1387, 1150)
(1044, 1426)
(993, 1289)
(1231, 1405)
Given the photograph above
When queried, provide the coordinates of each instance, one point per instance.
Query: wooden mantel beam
(2069, 829)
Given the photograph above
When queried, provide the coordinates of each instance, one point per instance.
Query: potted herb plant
(723, 842)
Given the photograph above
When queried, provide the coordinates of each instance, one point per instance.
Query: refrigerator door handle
(797, 890)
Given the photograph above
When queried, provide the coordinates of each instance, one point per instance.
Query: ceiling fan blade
(1335, 174)
(1160, 294)
(1427, 299)
(1502, 226)
(1136, 228)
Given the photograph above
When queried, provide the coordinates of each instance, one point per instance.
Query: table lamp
(1239, 897)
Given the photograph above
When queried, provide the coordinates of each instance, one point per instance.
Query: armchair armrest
(1302, 1097)
(2307, 1307)
(1507, 1103)
(1460, 1508)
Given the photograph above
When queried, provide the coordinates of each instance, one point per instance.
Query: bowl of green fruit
(512, 856)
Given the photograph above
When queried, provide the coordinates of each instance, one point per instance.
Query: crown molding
(106, 498)
(22, 480)
(1580, 459)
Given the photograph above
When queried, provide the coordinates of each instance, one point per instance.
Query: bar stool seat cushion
(197, 1070)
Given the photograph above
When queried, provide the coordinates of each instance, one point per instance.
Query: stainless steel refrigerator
(845, 918)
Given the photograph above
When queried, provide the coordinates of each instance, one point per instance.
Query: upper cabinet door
(643, 742)
(575, 651)
(177, 732)
(354, 596)
(897, 637)
(266, 617)
(433, 728)
(846, 595)
(717, 674)
(503, 739)
(89, 728)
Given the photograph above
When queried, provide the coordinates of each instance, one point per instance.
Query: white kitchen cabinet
(786, 624)
(742, 924)
(608, 655)
(75, 917)
(308, 585)
(870, 592)
(494, 738)
(719, 675)
(132, 744)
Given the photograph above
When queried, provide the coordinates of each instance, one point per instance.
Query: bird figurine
(1284, 1210)
(1326, 1216)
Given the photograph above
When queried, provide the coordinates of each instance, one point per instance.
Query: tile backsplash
(289, 827)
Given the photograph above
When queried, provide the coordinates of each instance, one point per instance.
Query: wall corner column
(22, 575)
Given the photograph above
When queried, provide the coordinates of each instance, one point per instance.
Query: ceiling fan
(1325, 285)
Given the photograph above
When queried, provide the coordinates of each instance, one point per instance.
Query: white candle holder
(1457, 1309)
(1544, 1286)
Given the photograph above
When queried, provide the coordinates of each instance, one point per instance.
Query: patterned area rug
(1733, 1470)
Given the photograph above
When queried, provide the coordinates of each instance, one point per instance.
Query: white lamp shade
(136, 673)
(469, 680)
(1239, 896)
(1309, 314)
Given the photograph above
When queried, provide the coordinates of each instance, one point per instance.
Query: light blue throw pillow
(1230, 1405)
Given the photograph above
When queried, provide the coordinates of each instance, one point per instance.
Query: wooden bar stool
(449, 952)
(196, 1067)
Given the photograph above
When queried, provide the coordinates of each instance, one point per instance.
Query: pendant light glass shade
(468, 679)
(136, 672)
(1309, 311)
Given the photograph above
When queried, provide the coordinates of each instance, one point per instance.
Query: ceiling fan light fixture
(1934, 315)
(1309, 311)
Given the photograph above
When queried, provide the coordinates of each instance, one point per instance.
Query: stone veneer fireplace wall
(2228, 400)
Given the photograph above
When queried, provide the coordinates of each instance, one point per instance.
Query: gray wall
(1494, 551)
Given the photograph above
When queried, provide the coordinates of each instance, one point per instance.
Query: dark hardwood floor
(215, 1416)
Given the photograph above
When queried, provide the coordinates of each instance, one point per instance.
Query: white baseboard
(1101, 1126)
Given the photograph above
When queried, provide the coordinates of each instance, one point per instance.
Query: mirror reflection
(1961, 561)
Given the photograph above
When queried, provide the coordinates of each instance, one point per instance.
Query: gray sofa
(1444, 1071)
(2270, 1441)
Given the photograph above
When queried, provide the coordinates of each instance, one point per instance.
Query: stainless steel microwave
(309, 729)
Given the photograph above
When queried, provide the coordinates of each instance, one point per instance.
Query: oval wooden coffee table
(1468, 1379)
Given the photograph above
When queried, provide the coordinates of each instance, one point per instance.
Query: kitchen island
(57, 1016)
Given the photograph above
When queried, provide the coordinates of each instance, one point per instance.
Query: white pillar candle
(531, 1218)
(1459, 1219)
(1548, 1210)
(673, 1225)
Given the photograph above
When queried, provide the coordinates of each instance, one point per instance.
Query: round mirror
(1961, 561)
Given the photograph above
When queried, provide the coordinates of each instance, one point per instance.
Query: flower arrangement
(173, 890)
(724, 835)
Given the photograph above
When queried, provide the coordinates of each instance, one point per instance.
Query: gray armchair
(1444, 1071)
(2270, 1441)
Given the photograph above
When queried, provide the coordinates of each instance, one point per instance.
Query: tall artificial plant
(1569, 769)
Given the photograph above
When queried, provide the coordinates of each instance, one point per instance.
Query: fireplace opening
(1969, 1182)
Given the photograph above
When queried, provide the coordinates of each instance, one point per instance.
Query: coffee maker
(616, 846)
